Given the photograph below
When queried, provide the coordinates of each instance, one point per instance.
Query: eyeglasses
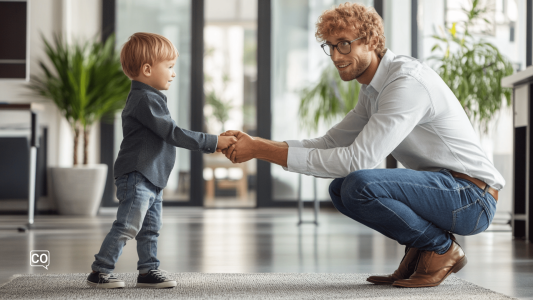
(344, 47)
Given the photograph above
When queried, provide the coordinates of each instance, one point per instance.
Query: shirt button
(209, 149)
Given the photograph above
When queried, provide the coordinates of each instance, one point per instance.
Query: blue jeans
(415, 208)
(139, 217)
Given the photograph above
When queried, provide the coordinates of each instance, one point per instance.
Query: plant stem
(86, 132)
(76, 138)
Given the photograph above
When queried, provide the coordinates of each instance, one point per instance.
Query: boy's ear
(146, 70)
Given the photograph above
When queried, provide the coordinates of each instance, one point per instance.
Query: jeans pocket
(139, 178)
(122, 185)
(470, 219)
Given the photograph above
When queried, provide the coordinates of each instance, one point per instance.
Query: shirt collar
(137, 85)
(381, 73)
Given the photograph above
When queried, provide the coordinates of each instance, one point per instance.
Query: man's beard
(358, 71)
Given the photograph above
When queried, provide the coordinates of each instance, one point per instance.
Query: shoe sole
(114, 285)
(162, 285)
(380, 282)
(458, 266)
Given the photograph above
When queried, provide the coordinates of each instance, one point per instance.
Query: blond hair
(145, 48)
(365, 21)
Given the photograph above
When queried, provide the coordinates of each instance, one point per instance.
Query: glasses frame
(337, 46)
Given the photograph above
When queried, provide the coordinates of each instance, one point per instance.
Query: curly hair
(365, 21)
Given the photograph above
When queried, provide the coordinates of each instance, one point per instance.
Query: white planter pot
(78, 190)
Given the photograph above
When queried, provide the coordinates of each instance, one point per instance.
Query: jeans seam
(126, 218)
(422, 233)
(477, 222)
(125, 188)
(408, 183)
(487, 211)
(149, 230)
(377, 199)
(454, 213)
(140, 181)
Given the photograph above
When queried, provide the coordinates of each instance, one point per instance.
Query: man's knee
(335, 189)
(355, 180)
(358, 184)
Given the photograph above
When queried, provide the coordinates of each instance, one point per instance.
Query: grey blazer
(150, 136)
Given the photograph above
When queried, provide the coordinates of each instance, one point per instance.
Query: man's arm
(249, 147)
(272, 151)
(402, 105)
(397, 114)
(343, 133)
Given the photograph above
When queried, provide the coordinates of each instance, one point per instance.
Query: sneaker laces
(106, 277)
(158, 274)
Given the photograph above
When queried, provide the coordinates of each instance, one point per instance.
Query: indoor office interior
(247, 65)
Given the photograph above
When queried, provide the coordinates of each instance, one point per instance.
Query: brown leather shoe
(404, 271)
(433, 268)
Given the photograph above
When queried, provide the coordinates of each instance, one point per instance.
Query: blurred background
(242, 65)
(255, 66)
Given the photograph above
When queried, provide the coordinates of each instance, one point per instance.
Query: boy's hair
(365, 21)
(145, 48)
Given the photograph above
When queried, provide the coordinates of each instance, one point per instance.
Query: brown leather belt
(480, 184)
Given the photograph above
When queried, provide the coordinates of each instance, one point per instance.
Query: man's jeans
(139, 217)
(415, 208)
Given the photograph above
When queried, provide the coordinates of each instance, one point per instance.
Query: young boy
(146, 157)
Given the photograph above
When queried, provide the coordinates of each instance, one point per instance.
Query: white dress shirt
(408, 111)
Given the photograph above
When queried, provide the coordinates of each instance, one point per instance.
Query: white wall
(81, 20)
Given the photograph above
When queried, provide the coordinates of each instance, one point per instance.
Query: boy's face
(162, 74)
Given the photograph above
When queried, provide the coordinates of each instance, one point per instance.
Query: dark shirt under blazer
(150, 136)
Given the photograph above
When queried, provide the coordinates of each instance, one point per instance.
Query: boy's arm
(153, 113)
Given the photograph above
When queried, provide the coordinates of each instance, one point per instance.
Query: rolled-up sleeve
(402, 105)
(153, 114)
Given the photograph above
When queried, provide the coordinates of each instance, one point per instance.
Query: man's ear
(373, 44)
(146, 70)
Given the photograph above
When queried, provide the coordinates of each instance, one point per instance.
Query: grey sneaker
(155, 279)
(104, 281)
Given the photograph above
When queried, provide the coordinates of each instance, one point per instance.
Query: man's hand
(225, 141)
(242, 150)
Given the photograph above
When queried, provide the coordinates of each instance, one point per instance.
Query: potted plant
(472, 67)
(86, 82)
(328, 100)
(220, 107)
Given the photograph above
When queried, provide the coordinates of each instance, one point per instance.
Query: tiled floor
(256, 240)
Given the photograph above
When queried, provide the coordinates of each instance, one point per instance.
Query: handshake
(236, 145)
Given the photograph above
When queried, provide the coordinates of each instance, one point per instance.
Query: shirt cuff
(211, 143)
(297, 160)
(295, 143)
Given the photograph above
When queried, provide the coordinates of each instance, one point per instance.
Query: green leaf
(84, 79)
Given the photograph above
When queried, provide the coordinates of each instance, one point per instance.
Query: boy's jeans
(415, 208)
(139, 217)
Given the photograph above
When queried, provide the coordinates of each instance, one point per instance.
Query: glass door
(172, 19)
(230, 76)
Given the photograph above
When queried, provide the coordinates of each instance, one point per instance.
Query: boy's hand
(225, 141)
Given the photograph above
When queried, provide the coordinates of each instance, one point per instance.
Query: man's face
(163, 74)
(353, 64)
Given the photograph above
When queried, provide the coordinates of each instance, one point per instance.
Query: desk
(218, 160)
(32, 108)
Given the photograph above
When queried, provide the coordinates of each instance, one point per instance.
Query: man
(404, 109)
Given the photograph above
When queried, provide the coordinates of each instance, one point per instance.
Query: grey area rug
(239, 286)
